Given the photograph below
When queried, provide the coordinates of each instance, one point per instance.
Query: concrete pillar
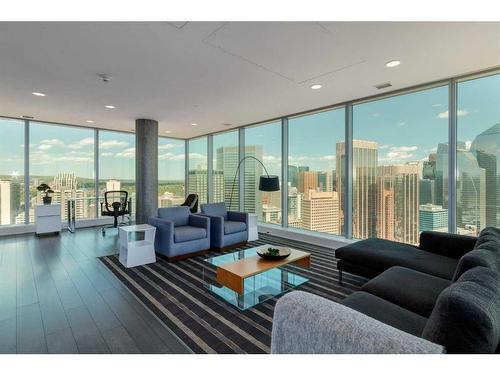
(146, 169)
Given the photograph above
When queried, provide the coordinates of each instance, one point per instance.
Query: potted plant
(47, 199)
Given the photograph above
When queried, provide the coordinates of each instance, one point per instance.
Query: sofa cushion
(489, 239)
(379, 255)
(478, 257)
(179, 215)
(386, 312)
(214, 209)
(413, 290)
(466, 318)
(188, 233)
(234, 226)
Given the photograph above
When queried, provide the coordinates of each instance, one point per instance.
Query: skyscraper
(10, 201)
(397, 203)
(486, 148)
(307, 180)
(65, 187)
(320, 212)
(325, 181)
(197, 182)
(364, 171)
(433, 217)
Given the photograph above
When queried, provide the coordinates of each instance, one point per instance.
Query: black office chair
(192, 203)
(116, 204)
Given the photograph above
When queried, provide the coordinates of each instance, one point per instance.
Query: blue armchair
(227, 228)
(180, 233)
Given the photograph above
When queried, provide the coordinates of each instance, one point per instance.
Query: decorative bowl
(279, 252)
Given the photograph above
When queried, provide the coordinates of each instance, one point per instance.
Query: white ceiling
(213, 73)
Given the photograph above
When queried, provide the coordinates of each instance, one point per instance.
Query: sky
(406, 127)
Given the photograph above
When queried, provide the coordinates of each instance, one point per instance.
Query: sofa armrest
(165, 232)
(238, 216)
(200, 221)
(446, 244)
(304, 323)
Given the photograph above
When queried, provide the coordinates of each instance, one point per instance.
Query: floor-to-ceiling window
(62, 157)
(225, 163)
(198, 163)
(117, 163)
(264, 143)
(400, 165)
(12, 172)
(171, 167)
(315, 157)
(478, 153)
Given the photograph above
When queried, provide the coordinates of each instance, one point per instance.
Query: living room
(294, 184)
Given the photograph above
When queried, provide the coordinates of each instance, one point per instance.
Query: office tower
(197, 183)
(218, 186)
(271, 214)
(293, 173)
(307, 180)
(471, 191)
(226, 161)
(427, 189)
(486, 148)
(253, 171)
(295, 200)
(433, 217)
(303, 169)
(364, 170)
(168, 199)
(325, 181)
(397, 203)
(65, 187)
(113, 185)
(320, 212)
(10, 201)
(441, 176)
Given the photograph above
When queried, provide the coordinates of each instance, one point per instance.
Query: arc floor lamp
(267, 182)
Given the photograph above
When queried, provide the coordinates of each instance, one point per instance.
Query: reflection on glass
(171, 154)
(197, 174)
(12, 172)
(264, 143)
(478, 152)
(63, 157)
(315, 155)
(400, 166)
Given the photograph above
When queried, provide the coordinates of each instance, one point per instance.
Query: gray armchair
(304, 323)
(180, 233)
(227, 228)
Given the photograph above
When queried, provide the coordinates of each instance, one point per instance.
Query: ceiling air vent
(28, 117)
(383, 85)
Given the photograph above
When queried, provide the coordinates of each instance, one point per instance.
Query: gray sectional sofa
(443, 297)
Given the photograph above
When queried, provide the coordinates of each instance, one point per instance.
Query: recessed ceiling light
(316, 86)
(90, 121)
(194, 124)
(38, 93)
(110, 106)
(392, 63)
(168, 131)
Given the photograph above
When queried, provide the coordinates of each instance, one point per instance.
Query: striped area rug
(174, 293)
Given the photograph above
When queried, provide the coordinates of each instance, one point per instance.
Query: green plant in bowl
(273, 251)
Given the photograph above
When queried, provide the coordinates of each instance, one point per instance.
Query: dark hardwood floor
(57, 297)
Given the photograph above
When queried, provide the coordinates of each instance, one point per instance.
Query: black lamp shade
(269, 183)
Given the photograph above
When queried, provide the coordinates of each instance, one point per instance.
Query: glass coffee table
(243, 279)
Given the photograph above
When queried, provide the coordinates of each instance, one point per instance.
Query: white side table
(47, 218)
(253, 233)
(137, 253)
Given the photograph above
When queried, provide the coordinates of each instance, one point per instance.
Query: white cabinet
(137, 252)
(253, 232)
(47, 218)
